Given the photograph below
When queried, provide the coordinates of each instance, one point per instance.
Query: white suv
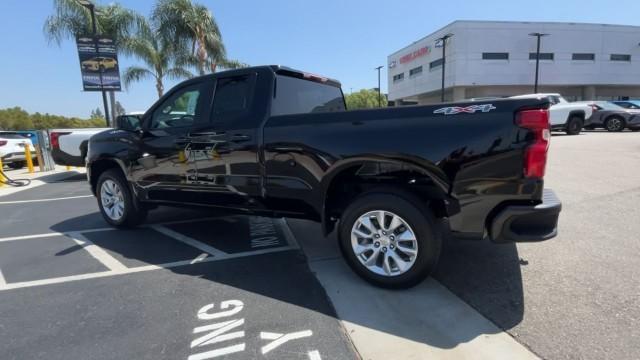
(12, 146)
(564, 115)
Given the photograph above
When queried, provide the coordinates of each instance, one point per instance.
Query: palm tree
(192, 24)
(162, 57)
(71, 19)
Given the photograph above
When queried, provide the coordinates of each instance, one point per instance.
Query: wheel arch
(99, 166)
(351, 178)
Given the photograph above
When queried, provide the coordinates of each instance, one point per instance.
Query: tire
(614, 124)
(420, 222)
(574, 125)
(126, 211)
(16, 165)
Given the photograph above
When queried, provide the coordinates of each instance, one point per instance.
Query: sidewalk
(38, 178)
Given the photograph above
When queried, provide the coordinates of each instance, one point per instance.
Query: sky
(342, 39)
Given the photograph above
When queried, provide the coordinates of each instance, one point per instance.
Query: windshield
(609, 106)
(11, 136)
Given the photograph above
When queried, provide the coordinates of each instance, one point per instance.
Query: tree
(71, 19)
(194, 26)
(365, 99)
(97, 114)
(162, 57)
(119, 110)
(17, 119)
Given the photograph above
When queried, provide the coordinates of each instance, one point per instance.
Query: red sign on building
(414, 55)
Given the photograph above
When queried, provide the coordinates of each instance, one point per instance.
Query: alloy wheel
(112, 200)
(384, 243)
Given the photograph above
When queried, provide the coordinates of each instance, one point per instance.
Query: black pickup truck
(279, 142)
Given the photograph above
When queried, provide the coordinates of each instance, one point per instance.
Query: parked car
(278, 142)
(613, 117)
(569, 117)
(98, 63)
(628, 104)
(12, 149)
(69, 146)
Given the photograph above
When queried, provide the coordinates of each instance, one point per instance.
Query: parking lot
(200, 284)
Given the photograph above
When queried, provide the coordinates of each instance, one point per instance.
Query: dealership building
(497, 58)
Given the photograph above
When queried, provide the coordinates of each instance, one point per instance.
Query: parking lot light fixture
(379, 93)
(443, 41)
(538, 36)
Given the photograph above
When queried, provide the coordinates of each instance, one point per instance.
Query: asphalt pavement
(188, 284)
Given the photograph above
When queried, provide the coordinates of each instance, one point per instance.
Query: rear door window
(300, 96)
(232, 100)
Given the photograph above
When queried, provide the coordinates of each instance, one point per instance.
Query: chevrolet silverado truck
(278, 142)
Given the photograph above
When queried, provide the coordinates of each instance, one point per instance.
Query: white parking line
(97, 252)
(3, 281)
(43, 200)
(126, 270)
(187, 240)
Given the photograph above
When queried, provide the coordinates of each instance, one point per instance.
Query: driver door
(165, 166)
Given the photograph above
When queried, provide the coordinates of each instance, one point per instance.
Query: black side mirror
(128, 123)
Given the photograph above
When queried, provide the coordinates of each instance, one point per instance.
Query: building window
(583, 56)
(543, 56)
(435, 63)
(495, 56)
(398, 77)
(415, 71)
(620, 57)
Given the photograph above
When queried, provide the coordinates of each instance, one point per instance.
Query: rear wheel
(574, 125)
(390, 239)
(614, 124)
(117, 204)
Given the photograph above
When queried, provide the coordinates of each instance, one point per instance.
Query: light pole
(379, 93)
(92, 8)
(443, 41)
(538, 36)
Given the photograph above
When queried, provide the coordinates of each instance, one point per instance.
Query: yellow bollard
(2, 178)
(27, 155)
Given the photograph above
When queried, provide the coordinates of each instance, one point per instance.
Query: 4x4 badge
(467, 109)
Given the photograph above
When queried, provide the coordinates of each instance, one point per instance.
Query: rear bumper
(523, 223)
(15, 156)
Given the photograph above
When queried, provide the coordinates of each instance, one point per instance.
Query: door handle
(206, 134)
(240, 138)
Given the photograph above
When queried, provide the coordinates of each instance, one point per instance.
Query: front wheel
(390, 239)
(117, 204)
(614, 124)
(574, 125)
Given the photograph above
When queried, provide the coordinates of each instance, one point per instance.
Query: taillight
(3, 142)
(54, 137)
(535, 156)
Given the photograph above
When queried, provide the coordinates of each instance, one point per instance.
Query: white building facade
(487, 58)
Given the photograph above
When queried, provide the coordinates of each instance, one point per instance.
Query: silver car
(613, 117)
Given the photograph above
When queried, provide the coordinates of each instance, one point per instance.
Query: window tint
(583, 56)
(299, 96)
(620, 57)
(495, 56)
(232, 98)
(543, 56)
(415, 71)
(398, 77)
(179, 110)
(12, 136)
(435, 63)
